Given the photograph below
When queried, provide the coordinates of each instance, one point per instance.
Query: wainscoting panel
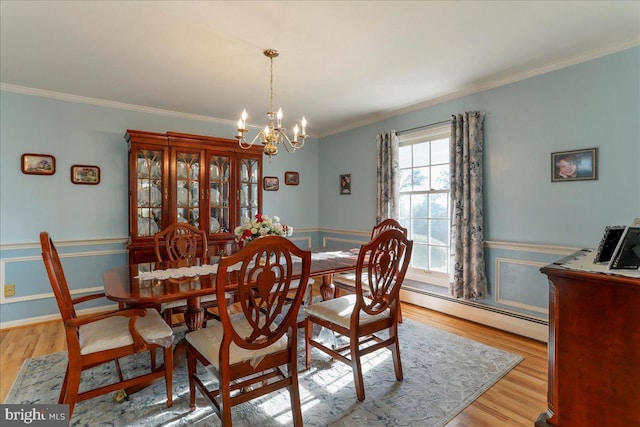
(517, 285)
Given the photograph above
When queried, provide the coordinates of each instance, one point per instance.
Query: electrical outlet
(9, 290)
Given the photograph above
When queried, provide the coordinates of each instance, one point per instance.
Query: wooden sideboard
(594, 344)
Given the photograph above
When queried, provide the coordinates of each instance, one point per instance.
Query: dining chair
(96, 339)
(347, 282)
(359, 317)
(249, 349)
(182, 242)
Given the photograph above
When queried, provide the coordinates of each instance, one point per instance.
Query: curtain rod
(422, 127)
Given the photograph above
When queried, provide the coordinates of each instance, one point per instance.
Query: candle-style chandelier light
(273, 135)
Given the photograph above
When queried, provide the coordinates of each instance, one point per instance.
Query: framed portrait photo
(576, 165)
(270, 183)
(38, 164)
(345, 184)
(291, 178)
(85, 174)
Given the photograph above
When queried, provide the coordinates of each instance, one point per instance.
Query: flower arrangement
(260, 225)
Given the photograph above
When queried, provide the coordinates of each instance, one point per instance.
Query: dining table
(152, 284)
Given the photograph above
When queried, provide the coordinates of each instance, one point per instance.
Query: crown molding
(109, 104)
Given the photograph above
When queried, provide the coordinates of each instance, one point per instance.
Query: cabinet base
(542, 420)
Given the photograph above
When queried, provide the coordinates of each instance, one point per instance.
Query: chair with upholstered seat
(383, 262)
(347, 281)
(96, 339)
(248, 351)
(183, 242)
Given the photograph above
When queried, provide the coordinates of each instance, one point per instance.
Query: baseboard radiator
(505, 320)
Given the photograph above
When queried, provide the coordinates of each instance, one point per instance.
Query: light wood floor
(516, 400)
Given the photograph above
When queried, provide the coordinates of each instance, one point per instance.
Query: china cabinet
(209, 182)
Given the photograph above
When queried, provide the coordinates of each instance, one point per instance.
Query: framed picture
(627, 252)
(85, 174)
(608, 244)
(270, 183)
(576, 165)
(291, 178)
(345, 184)
(38, 164)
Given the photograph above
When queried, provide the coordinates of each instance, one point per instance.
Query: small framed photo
(38, 164)
(85, 174)
(608, 244)
(345, 184)
(627, 253)
(576, 165)
(270, 183)
(291, 178)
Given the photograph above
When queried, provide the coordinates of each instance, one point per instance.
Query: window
(424, 202)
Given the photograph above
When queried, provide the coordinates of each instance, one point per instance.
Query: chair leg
(72, 388)
(294, 388)
(63, 389)
(357, 368)
(168, 373)
(152, 356)
(191, 369)
(308, 329)
(117, 363)
(399, 311)
(225, 395)
(296, 406)
(168, 316)
(395, 353)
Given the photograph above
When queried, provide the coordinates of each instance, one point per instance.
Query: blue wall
(594, 104)
(529, 220)
(86, 133)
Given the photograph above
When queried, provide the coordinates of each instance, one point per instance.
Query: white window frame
(429, 134)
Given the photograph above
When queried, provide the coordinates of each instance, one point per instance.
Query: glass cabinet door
(149, 192)
(219, 173)
(188, 188)
(248, 188)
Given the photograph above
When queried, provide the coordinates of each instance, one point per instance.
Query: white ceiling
(342, 63)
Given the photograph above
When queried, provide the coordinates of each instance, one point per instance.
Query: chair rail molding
(530, 247)
(36, 245)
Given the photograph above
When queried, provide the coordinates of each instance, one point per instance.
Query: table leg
(327, 288)
(194, 316)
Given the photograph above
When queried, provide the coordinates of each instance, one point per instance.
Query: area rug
(443, 373)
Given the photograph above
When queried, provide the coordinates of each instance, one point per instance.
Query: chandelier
(273, 135)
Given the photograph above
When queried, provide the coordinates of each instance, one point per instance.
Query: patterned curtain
(469, 279)
(387, 202)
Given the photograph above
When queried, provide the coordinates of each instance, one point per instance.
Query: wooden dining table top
(123, 284)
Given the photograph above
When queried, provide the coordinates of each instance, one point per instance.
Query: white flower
(260, 225)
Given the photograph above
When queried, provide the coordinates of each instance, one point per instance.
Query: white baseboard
(505, 322)
(51, 317)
